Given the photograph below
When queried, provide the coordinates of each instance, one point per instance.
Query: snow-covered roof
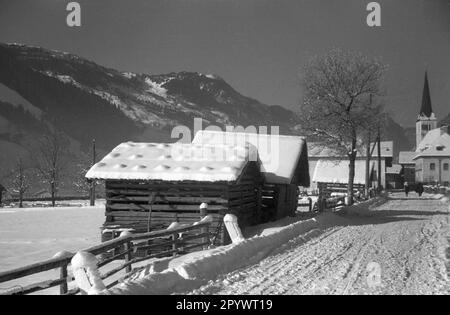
(172, 162)
(431, 137)
(394, 169)
(336, 171)
(435, 143)
(406, 157)
(284, 159)
(318, 150)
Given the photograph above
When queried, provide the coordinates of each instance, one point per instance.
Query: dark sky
(258, 46)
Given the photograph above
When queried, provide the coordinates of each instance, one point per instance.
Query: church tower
(426, 120)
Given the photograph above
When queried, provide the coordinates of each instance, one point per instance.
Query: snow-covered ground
(31, 235)
(405, 239)
(388, 245)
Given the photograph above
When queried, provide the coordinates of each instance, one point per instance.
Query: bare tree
(337, 109)
(373, 141)
(20, 180)
(50, 161)
(81, 184)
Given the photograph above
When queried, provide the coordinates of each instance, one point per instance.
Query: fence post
(175, 245)
(259, 204)
(231, 223)
(203, 214)
(203, 210)
(310, 204)
(63, 287)
(128, 246)
(87, 276)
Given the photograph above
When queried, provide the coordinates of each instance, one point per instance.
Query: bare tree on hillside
(50, 161)
(20, 180)
(337, 108)
(81, 184)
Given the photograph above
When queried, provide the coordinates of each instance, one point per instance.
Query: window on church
(445, 166)
(432, 166)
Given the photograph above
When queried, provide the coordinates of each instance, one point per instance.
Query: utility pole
(379, 160)
(94, 158)
(368, 156)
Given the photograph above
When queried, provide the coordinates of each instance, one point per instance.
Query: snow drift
(191, 271)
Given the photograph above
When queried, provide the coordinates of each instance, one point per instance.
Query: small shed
(284, 165)
(150, 185)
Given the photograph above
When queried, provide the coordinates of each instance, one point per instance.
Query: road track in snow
(407, 238)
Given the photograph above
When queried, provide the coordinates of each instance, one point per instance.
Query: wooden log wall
(155, 205)
(279, 200)
(269, 201)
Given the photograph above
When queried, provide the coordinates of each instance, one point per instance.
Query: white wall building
(432, 161)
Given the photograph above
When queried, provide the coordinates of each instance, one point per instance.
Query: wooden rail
(328, 203)
(123, 248)
(302, 203)
(334, 203)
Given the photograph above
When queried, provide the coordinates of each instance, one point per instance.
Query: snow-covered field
(31, 235)
(388, 245)
(34, 234)
(407, 238)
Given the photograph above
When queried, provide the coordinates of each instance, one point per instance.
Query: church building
(430, 162)
(426, 121)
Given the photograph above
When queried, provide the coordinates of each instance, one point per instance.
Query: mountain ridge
(87, 100)
(135, 102)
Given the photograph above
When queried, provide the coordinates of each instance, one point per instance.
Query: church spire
(426, 109)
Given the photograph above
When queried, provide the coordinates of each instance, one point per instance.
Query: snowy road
(398, 247)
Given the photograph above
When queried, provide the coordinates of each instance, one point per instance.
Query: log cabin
(151, 185)
(284, 166)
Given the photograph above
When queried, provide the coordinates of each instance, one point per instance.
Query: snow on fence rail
(335, 203)
(304, 203)
(330, 203)
(124, 247)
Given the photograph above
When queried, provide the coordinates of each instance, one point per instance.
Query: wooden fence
(334, 203)
(305, 202)
(330, 203)
(43, 199)
(123, 249)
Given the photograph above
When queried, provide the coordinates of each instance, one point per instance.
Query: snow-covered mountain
(89, 101)
(86, 100)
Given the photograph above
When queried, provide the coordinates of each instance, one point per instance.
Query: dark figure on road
(406, 189)
(419, 189)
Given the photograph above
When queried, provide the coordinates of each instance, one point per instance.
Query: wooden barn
(151, 185)
(284, 165)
